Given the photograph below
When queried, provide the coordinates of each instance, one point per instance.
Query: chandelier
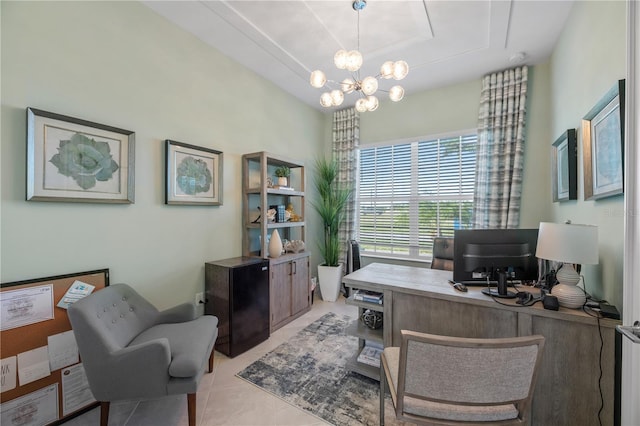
(365, 87)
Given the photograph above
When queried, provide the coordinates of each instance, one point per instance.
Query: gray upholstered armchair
(131, 350)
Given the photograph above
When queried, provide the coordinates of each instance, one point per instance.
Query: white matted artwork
(69, 159)
(193, 175)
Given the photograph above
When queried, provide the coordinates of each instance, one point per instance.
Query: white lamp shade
(568, 243)
(371, 103)
(396, 93)
(361, 105)
(325, 100)
(337, 97)
(386, 70)
(347, 85)
(369, 85)
(400, 70)
(340, 59)
(318, 79)
(354, 60)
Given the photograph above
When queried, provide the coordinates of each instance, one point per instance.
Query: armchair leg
(382, 393)
(104, 413)
(191, 408)
(211, 360)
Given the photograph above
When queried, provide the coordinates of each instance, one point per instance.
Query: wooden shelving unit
(364, 334)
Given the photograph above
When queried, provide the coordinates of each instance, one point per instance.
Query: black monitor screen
(481, 254)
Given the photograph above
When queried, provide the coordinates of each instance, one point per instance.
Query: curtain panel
(500, 154)
(346, 138)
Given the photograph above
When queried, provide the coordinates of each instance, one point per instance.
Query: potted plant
(283, 173)
(330, 206)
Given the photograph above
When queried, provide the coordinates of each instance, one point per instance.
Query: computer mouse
(460, 287)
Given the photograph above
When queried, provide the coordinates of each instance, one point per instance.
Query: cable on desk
(587, 310)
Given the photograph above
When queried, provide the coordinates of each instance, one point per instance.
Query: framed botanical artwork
(193, 175)
(603, 145)
(565, 167)
(69, 159)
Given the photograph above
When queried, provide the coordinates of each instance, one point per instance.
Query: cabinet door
(280, 292)
(299, 284)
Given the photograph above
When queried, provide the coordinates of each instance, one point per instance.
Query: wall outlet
(199, 299)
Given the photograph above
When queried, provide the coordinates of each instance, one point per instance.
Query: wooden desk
(566, 393)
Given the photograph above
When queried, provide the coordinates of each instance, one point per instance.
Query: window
(409, 193)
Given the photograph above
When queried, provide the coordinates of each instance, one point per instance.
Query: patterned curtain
(500, 155)
(346, 138)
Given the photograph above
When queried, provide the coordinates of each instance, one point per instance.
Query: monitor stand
(501, 292)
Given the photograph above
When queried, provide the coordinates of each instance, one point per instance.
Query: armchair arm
(180, 313)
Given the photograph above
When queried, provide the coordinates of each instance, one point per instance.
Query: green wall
(121, 64)
(589, 59)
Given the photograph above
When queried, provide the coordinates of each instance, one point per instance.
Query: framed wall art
(69, 159)
(603, 145)
(193, 175)
(565, 167)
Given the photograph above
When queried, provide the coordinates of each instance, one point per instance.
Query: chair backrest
(468, 371)
(109, 319)
(442, 253)
(353, 256)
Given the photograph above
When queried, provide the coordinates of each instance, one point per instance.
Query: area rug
(309, 372)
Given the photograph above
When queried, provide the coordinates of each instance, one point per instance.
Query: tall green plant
(330, 206)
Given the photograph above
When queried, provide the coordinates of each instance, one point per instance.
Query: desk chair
(440, 380)
(442, 253)
(131, 351)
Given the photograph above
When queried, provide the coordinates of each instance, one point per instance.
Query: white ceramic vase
(330, 278)
(275, 244)
(283, 181)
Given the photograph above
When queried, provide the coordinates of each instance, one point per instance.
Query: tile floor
(223, 398)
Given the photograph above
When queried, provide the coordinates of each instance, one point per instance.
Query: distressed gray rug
(309, 372)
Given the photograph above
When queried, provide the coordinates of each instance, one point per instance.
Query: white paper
(63, 350)
(77, 291)
(26, 306)
(34, 409)
(33, 365)
(75, 390)
(8, 370)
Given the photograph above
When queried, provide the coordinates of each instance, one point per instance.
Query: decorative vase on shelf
(283, 181)
(275, 244)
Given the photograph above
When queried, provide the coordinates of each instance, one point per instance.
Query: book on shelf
(368, 296)
(286, 188)
(370, 355)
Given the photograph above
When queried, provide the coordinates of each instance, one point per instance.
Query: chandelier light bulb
(361, 105)
(336, 97)
(318, 79)
(354, 60)
(325, 99)
(386, 70)
(347, 85)
(340, 59)
(396, 93)
(371, 103)
(369, 85)
(400, 70)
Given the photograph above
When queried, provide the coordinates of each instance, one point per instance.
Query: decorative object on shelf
(283, 173)
(70, 159)
(372, 319)
(290, 214)
(603, 145)
(193, 175)
(365, 87)
(271, 215)
(275, 244)
(269, 182)
(330, 206)
(565, 167)
(295, 246)
(569, 244)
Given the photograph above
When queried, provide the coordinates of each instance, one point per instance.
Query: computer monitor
(495, 256)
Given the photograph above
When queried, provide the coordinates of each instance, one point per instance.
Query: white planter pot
(330, 278)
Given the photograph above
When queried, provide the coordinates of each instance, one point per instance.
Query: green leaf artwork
(193, 176)
(85, 160)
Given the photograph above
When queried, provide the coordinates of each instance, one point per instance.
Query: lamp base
(569, 296)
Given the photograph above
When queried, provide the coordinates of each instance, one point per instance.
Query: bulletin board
(37, 348)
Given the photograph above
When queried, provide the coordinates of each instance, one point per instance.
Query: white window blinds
(409, 193)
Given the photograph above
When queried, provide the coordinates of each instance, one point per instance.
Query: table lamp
(569, 244)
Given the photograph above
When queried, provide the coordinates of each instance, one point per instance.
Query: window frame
(414, 202)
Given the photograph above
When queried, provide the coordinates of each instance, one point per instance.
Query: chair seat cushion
(190, 343)
(470, 413)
